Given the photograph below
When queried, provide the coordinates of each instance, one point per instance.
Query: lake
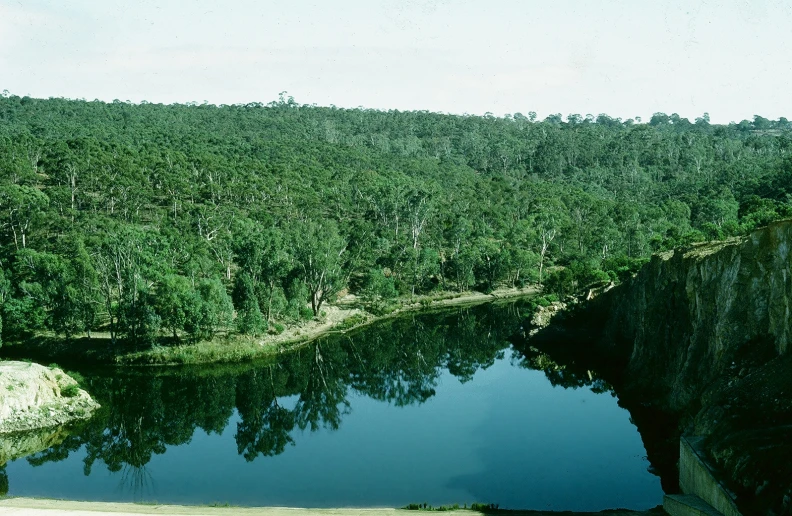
(436, 408)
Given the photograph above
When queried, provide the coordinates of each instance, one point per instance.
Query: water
(435, 408)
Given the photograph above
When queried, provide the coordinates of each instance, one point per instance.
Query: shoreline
(471, 298)
(23, 506)
(337, 315)
(343, 316)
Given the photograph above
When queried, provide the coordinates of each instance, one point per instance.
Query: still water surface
(434, 408)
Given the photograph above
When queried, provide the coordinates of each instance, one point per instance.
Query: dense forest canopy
(151, 221)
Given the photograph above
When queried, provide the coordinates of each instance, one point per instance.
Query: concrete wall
(696, 478)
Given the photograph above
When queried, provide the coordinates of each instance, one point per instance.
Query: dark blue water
(436, 408)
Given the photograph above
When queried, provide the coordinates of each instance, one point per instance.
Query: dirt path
(41, 507)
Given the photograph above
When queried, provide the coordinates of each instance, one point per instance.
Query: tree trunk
(269, 303)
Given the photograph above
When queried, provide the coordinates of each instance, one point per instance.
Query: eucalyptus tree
(263, 256)
(249, 319)
(318, 248)
(286, 205)
(21, 208)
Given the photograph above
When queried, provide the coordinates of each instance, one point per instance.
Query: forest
(153, 224)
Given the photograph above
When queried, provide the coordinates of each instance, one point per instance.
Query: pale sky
(625, 58)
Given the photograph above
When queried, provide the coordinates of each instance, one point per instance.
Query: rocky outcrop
(703, 335)
(33, 396)
(692, 314)
(543, 315)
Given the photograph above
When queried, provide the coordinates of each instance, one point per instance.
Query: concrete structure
(704, 495)
(688, 505)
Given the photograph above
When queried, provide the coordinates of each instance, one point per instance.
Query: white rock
(32, 396)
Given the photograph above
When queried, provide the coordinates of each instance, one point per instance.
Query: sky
(626, 58)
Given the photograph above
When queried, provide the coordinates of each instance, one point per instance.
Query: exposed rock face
(33, 396)
(544, 315)
(690, 314)
(704, 335)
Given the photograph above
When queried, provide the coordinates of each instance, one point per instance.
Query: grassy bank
(345, 315)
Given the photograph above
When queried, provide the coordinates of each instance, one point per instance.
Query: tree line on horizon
(168, 223)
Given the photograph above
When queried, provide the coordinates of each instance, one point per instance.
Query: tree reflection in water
(398, 362)
(3, 481)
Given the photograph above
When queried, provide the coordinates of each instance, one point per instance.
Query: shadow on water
(570, 359)
(3, 481)
(146, 411)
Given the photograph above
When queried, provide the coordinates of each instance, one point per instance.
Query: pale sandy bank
(41, 507)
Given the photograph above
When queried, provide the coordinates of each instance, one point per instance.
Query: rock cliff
(692, 315)
(33, 396)
(703, 335)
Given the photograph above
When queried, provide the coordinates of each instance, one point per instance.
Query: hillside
(160, 224)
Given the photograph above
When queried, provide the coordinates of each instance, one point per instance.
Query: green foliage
(138, 319)
(351, 322)
(262, 255)
(70, 391)
(462, 266)
(620, 268)
(5, 287)
(297, 293)
(22, 317)
(485, 507)
(318, 248)
(379, 291)
(249, 319)
(77, 377)
(478, 507)
(211, 311)
(136, 219)
(175, 302)
(378, 286)
(574, 278)
(427, 507)
(306, 313)
(545, 300)
(757, 212)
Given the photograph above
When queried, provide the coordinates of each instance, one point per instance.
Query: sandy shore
(42, 507)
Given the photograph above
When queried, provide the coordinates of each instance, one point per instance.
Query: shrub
(351, 322)
(306, 313)
(622, 267)
(70, 391)
(378, 287)
(383, 307)
(77, 377)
